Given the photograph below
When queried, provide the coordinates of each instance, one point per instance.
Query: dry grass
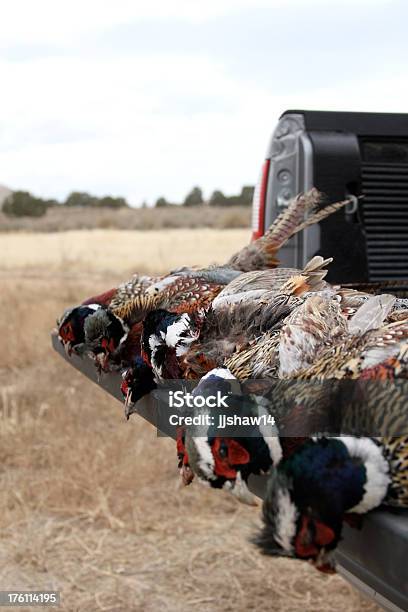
(61, 219)
(109, 250)
(90, 504)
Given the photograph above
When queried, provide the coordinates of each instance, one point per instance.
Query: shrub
(218, 199)
(23, 204)
(194, 198)
(247, 194)
(243, 199)
(110, 202)
(80, 198)
(162, 203)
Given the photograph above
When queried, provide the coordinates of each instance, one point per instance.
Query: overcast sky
(144, 99)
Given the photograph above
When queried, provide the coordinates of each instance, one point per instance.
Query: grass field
(91, 504)
(118, 252)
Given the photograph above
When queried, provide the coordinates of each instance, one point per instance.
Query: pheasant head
(138, 381)
(71, 327)
(312, 492)
(105, 333)
(226, 462)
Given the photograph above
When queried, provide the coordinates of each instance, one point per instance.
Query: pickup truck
(345, 154)
(301, 154)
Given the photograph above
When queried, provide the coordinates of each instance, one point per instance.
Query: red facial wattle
(322, 536)
(124, 387)
(67, 333)
(108, 345)
(145, 358)
(304, 547)
(236, 455)
(181, 449)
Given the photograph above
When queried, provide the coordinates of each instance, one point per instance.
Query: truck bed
(374, 559)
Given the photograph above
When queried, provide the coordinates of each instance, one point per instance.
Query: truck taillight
(258, 202)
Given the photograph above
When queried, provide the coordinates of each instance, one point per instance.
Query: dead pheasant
(324, 483)
(190, 290)
(260, 359)
(71, 327)
(359, 353)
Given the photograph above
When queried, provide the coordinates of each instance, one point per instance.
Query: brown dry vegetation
(61, 218)
(90, 504)
(153, 252)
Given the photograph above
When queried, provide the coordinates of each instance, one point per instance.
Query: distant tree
(110, 202)
(80, 198)
(23, 204)
(218, 199)
(144, 204)
(247, 193)
(243, 199)
(161, 203)
(194, 198)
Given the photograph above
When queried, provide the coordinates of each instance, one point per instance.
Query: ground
(91, 504)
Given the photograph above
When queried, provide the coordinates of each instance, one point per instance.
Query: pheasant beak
(325, 563)
(239, 489)
(68, 348)
(187, 475)
(100, 361)
(126, 392)
(105, 363)
(128, 404)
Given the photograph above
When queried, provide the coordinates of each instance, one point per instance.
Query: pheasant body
(311, 493)
(227, 462)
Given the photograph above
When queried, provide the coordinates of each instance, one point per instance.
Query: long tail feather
(321, 214)
(286, 224)
(262, 253)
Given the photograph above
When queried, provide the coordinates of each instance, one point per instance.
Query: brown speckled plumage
(263, 253)
(396, 452)
(350, 357)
